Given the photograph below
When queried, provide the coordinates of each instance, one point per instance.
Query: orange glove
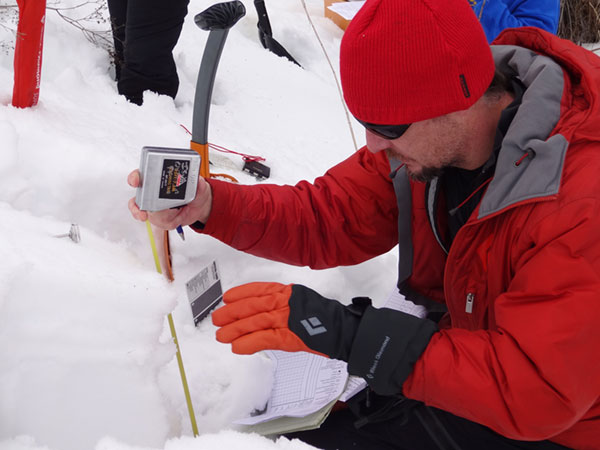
(255, 317)
(380, 345)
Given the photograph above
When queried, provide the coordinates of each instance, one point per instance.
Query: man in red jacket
(482, 164)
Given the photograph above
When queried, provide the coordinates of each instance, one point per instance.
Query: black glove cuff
(386, 347)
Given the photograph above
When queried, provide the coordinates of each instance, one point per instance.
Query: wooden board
(336, 18)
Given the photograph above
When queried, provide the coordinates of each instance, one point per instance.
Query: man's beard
(426, 174)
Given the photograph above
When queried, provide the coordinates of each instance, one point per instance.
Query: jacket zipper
(469, 303)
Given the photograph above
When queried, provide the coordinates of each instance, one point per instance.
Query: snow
(86, 356)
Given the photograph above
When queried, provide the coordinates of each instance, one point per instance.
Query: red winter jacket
(519, 351)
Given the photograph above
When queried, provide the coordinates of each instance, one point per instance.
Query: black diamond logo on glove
(313, 326)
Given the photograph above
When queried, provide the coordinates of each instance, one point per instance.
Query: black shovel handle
(221, 16)
(217, 19)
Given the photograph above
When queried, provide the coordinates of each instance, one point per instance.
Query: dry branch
(580, 21)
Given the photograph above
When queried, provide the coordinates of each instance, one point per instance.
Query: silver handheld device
(168, 178)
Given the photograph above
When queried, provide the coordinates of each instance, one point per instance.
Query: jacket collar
(530, 161)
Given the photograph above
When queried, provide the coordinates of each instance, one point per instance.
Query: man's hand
(197, 210)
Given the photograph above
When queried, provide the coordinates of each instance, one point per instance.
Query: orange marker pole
(28, 52)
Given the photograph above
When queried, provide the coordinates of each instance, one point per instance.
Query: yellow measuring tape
(186, 389)
(153, 245)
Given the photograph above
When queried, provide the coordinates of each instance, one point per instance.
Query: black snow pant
(402, 424)
(145, 33)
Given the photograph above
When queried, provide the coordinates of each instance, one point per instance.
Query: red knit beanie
(402, 61)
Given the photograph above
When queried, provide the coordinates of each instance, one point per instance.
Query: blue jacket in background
(496, 15)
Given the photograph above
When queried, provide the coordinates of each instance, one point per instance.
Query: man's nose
(376, 143)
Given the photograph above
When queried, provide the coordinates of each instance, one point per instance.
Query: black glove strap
(359, 305)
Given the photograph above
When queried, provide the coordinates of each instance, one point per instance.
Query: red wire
(521, 159)
(245, 156)
(220, 148)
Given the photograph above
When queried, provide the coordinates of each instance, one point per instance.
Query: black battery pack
(259, 170)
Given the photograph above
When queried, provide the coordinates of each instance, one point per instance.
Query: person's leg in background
(152, 28)
(118, 17)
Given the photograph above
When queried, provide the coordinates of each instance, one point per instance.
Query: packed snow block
(335, 17)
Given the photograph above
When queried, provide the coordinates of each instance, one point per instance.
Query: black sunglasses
(388, 132)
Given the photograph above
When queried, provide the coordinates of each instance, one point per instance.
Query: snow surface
(86, 357)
